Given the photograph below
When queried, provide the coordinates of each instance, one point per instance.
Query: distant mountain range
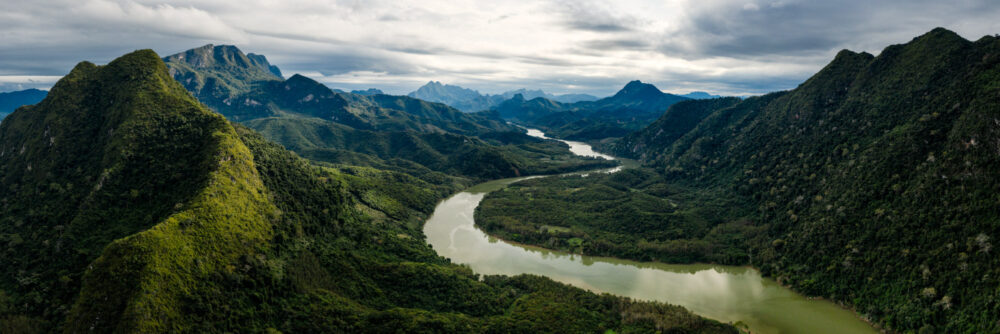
(10, 101)
(469, 100)
(369, 91)
(635, 106)
(700, 96)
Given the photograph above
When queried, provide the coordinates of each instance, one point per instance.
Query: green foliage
(430, 156)
(875, 180)
(677, 121)
(129, 207)
(632, 214)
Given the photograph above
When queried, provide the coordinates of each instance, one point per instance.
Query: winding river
(725, 293)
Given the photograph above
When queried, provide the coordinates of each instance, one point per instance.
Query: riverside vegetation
(128, 206)
(874, 184)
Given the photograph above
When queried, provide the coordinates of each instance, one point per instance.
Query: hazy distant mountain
(635, 106)
(532, 94)
(10, 101)
(700, 96)
(470, 100)
(368, 92)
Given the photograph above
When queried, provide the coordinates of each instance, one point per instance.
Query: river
(725, 293)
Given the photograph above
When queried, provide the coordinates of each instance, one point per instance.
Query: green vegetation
(630, 214)
(426, 155)
(129, 207)
(245, 87)
(872, 184)
(875, 180)
(430, 141)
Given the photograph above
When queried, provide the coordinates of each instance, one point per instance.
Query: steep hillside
(876, 180)
(113, 151)
(645, 144)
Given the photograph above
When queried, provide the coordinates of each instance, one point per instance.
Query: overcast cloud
(723, 47)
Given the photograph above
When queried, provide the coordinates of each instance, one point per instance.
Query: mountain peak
(211, 56)
(636, 88)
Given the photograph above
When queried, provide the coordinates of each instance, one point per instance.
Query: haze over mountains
(10, 101)
(469, 100)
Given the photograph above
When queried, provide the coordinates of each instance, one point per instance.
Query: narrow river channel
(724, 293)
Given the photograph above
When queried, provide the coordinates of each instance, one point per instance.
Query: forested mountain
(129, 207)
(875, 180)
(245, 87)
(633, 107)
(10, 101)
(469, 100)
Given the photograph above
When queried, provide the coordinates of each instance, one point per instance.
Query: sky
(723, 47)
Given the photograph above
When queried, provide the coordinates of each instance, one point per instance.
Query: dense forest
(585, 214)
(872, 184)
(127, 206)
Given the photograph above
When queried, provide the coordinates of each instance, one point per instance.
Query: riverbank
(729, 294)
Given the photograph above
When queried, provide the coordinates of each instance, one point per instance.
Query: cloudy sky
(577, 46)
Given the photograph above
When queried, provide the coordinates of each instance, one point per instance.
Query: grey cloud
(809, 27)
(592, 16)
(618, 44)
(758, 45)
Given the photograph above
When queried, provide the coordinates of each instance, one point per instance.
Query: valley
(730, 294)
(801, 187)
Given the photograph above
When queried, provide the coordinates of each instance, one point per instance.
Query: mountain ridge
(470, 100)
(877, 163)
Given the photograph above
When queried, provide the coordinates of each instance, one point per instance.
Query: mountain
(700, 96)
(875, 180)
(216, 74)
(532, 94)
(464, 99)
(10, 101)
(127, 162)
(242, 88)
(369, 91)
(129, 207)
(573, 98)
(469, 100)
(631, 108)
